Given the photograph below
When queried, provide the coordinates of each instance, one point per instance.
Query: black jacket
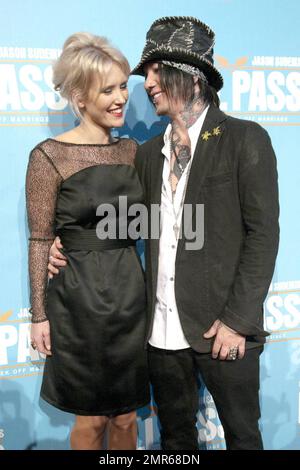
(234, 175)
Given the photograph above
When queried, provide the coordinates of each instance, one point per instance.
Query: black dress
(96, 304)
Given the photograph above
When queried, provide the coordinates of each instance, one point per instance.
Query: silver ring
(232, 354)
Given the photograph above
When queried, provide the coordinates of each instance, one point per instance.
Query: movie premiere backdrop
(258, 52)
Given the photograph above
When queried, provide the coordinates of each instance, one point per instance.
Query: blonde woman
(90, 319)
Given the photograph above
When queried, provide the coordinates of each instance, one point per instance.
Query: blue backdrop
(257, 51)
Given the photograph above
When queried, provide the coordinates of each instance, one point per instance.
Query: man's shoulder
(244, 126)
(147, 151)
(152, 144)
(248, 138)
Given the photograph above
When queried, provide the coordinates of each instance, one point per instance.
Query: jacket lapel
(207, 145)
(157, 163)
(156, 169)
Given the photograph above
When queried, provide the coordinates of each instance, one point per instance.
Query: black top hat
(181, 39)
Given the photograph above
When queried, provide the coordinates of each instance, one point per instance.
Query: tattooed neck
(180, 140)
(190, 113)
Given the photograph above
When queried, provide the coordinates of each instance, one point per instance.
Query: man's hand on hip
(228, 344)
(56, 258)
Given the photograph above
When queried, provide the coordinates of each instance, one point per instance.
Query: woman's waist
(91, 240)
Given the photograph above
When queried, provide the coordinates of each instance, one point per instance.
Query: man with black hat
(205, 305)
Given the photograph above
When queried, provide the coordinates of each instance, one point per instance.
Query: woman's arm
(42, 183)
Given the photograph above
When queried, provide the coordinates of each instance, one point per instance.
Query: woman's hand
(40, 337)
(56, 258)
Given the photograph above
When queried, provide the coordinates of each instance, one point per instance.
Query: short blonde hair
(83, 55)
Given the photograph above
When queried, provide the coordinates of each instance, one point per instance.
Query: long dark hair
(180, 85)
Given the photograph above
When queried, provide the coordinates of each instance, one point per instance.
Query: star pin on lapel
(206, 135)
(215, 132)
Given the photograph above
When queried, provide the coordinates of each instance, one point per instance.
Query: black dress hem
(115, 412)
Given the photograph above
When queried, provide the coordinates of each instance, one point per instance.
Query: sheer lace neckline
(116, 141)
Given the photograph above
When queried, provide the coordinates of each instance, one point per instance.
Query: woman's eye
(107, 91)
(124, 86)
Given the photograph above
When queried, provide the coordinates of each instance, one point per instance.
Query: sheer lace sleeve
(42, 184)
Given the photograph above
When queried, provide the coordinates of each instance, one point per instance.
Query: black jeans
(234, 386)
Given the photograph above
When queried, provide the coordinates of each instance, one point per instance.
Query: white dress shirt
(167, 332)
